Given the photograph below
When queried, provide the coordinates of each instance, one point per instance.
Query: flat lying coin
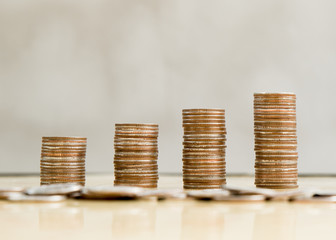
(242, 198)
(112, 192)
(11, 189)
(329, 199)
(6, 191)
(20, 197)
(163, 194)
(248, 190)
(54, 189)
(324, 193)
(268, 193)
(207, 194)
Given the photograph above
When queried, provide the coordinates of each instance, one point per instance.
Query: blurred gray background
(76, 67)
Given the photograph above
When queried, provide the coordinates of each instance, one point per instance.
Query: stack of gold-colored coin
(204, 148)
(63, 160)
(136, 153)
(275, 140)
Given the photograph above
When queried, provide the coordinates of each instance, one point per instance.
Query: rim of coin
(268, 174)
(136, 140)
(135, 171)
(274, 101)
(135, 181)
(204, 128)
(153, 131)
(79, 170)
(66, 159)
(204, 177)
(135, 162)
(206, 166)
(274, 93)
(206, 110)
(204, 159)
(275, 166)
(275, 111)
(137, 166)
(138, 177)
(62, 155)
(277, 154)
(136, 135)
(136, 147)
(204, 183)
(62, 164)
(137, 125)
(278, 187)
(268, 164)
(59, 144)
(203, 146)
(204, 137)
(135, 158)
(82, 182)
(187, 187)
(68, 178)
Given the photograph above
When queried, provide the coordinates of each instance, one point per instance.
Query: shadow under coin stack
(63, 160)
(275, 140)
(204, 148)
(136, 154)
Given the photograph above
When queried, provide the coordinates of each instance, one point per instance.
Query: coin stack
(136, 154)
(204, 148)
(63, 160)
(275, 140)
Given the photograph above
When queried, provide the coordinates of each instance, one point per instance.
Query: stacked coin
(63, 160)
(204, 148)
(275, 140)
(136, 153)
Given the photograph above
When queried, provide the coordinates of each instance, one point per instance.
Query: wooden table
(173, 219)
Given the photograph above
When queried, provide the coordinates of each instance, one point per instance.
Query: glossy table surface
(170, 219)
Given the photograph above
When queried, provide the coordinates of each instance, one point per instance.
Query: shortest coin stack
(136, 153)
(63, 160)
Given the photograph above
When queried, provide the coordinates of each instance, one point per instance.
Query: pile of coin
(63, 160)
(204, 148)
(275, 140)
(136, 154)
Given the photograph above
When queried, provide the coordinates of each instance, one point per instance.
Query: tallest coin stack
(275, 140)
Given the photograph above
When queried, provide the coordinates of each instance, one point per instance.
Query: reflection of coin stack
(275, 140)
(63, 160)
(136, 153)
(204, 148)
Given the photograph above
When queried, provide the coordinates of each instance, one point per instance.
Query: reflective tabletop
(167, 219)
